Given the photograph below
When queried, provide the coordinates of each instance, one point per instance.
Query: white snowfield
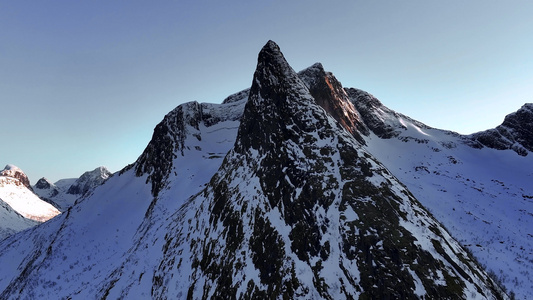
(24, 201)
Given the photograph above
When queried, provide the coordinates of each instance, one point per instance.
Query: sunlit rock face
(15, 172)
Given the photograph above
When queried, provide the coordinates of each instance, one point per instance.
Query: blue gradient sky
(83, 83)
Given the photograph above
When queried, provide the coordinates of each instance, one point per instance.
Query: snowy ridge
(516, 132)
(169, 138)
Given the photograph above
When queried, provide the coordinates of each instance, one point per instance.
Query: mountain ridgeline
(275, 193)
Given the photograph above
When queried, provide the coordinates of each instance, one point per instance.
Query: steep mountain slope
(11, 221)
(482, 195)
(284, 203)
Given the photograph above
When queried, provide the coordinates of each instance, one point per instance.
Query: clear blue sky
(83, 83)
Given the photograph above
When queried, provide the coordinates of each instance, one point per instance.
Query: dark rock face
(44, 184)
(167, 140)
(14, 172)
(516, 132)
(375, 114)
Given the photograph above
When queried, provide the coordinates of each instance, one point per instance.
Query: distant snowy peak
(44, 183)
(45, 189)
(20, 207)
(24, 201)
(64, 193)
(89, 180)
(516, 132)
(15, 172)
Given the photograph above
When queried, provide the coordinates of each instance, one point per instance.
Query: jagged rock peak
(276, 91)
(311, 74)
(330, 95)
(520, 125)
(89, 180)
(274, 70)
(516, 132)
(271, 47)
(43, 184)
(15, 172)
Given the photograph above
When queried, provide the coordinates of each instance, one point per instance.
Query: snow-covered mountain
(20, 208)
(480, 193)
(89, 180)
(64, 193)
(294, 188)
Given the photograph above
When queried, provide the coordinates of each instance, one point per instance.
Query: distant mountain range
(294, 188)
(23, 206)
(65, 192)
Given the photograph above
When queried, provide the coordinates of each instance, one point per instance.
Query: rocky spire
(276, 93)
